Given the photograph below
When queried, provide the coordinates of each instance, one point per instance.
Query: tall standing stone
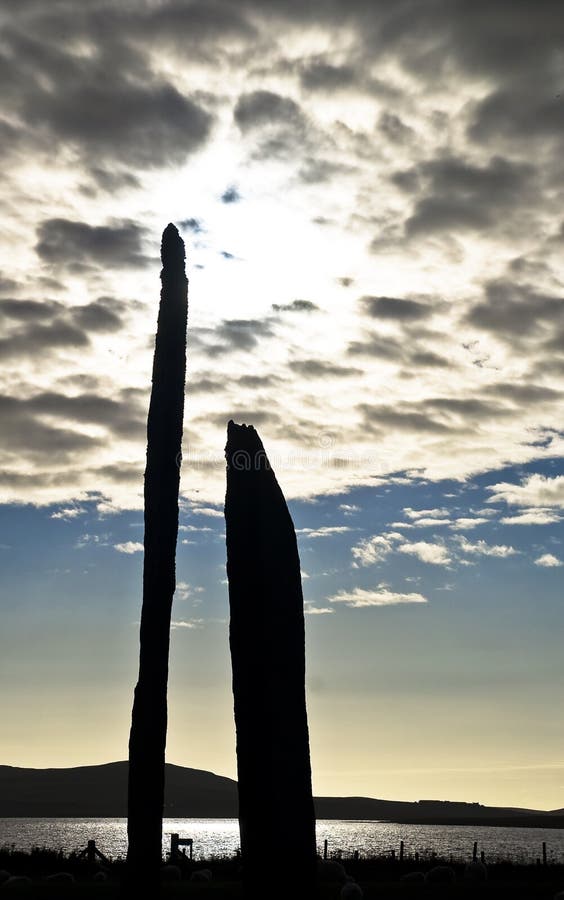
(162, 479)
(267, 641)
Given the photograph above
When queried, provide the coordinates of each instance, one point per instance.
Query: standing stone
(162, 479)
(267, 640)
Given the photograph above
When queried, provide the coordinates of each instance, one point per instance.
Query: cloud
(322, 76)
(185, 591)
(436, 513)
(379, 346)
(381, 596)
(396, 309)
(77, 245)
(547, 560)
(324, 531)
(67, 514)
(230, 195)
(511, 311)
(129, 547)
(481, 548)
(532, 517)
(461, 195)
(373, 550)
(430, 523)
(523, 114)
(295, 306)
(534, 491)
(349, 508)
(319, 368)
(193, 225)
(195, 624)
(150, 123)
(37, 339)
(404, 419)
(464, 522)
(434, 554)
(30, 435)
(232, 335)
(206, 511)
(259, 108)
(311, 610)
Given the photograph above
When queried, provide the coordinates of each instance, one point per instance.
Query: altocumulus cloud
(481, 548)
(77, 244)
(129, 547)
(548, 561)
(434, 554)
(381, 596)
(535, 490)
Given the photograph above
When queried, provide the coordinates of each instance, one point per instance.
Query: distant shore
(101, 792)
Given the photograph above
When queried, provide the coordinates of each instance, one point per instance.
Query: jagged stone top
(244, 450)
(172, 247)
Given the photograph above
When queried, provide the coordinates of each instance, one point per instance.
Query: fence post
(475, 851)
(544, 853)
(91, 852)
(325, 843)
(401, 852)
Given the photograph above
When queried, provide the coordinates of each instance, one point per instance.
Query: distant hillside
(102, 791)
(192, 793)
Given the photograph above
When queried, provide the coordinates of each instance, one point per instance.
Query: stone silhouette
(162, 478)
(267, 641)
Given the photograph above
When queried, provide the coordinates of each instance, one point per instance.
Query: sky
(371, 199)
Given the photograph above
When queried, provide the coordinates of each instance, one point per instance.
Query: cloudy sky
(371, 199)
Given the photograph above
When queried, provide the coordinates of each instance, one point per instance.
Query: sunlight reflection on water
(220, 837)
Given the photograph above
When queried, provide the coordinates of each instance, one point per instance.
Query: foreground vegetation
(380, 878)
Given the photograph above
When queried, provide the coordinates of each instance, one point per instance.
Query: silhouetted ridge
(267, 640)
(102, 791)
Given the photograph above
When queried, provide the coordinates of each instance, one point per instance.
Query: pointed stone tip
(172, 245)
(242, 437)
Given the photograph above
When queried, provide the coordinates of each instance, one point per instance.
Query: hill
(101, 791)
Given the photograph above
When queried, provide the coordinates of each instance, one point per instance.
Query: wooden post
(393, 852)
(91, 852)
(475, 851)
(325, 843)
(482, 857)
(401, 852)
(544, 853)
(356, 854)
(173, 845)
(416, 856)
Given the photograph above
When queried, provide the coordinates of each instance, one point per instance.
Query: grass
(378, 877)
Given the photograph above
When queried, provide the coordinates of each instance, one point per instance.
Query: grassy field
(379, 879)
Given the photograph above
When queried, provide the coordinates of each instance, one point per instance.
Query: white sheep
(413, 877)
(331, 870)
(201, 875)
(475, 871)
(440, 875)
(61, 878)
(351, 890)
(171, 873)
(17, 881)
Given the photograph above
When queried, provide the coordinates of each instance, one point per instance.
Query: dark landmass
(101, 791)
